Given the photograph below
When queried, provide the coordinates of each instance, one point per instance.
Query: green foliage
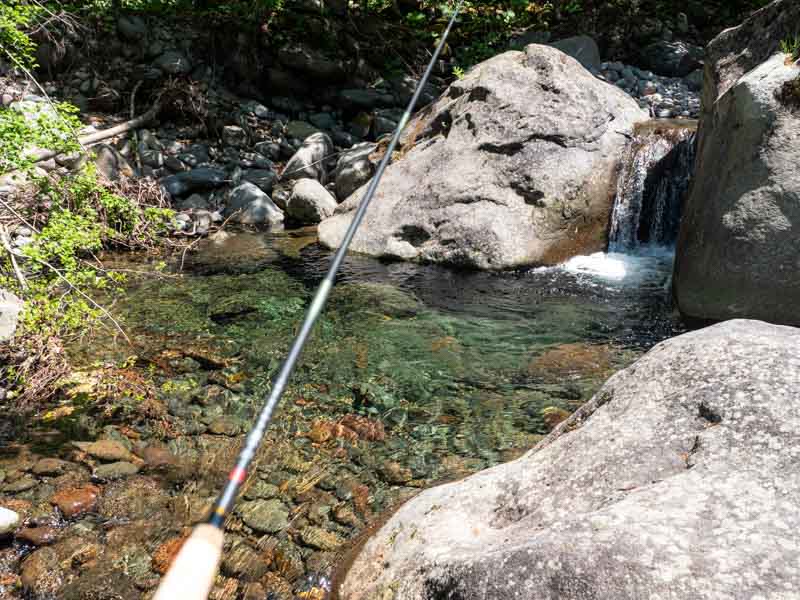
(16, 17)
(791, 46)
(84, 218)
(31, 125)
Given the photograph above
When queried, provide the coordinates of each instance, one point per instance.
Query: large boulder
(514, 165)
(740, 49)
(678, 480)
(738, 252)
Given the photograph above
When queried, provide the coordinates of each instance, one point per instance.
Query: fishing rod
(192, 573)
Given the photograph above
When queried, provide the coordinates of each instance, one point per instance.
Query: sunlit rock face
(513, 165)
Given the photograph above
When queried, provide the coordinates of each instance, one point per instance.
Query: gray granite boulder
(513, 165)
(738, 252)
(310, 202)
(679, 480)
(249, 205)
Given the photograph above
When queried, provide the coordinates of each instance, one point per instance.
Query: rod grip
(193, 571)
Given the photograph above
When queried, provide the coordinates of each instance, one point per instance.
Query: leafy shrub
(32, 125)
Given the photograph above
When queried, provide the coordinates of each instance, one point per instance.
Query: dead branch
(99, 136)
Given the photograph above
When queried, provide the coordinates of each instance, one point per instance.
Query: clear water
(415, 374)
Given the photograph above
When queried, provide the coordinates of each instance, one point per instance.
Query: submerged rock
(676, 480)
(513, 166)
(265, 516)
(738, 252)
(76, 501)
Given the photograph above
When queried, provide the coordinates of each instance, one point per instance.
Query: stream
(415, 375)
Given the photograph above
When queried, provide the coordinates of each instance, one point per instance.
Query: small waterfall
(652, 184)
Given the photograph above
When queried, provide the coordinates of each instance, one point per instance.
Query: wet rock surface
(618, 499)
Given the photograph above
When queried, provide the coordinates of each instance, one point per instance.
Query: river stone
(671, 59)
(738, 252)
(310, 202)
(173, 62)
(310, 160)
(76, 501)
(106, 450)
(9, 521)
(110, 164)
(312, 62)
(582, 48)
(37, 536)
(116, 470)
(265, 516)
(354, 169)
(367, 99)
(263, 178)
(196, 180)
(50, 467)
(514, 165)
(320, 539)
(132, 28)
(233, 135)
(10, 307)
(679, 479)
(254, 206)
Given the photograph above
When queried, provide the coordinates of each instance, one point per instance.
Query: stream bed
(415, 375)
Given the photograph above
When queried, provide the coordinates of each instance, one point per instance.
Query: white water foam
(651, 265)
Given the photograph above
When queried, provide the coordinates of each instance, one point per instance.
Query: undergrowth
(791, 46)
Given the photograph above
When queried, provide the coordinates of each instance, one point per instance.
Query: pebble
(320, 539)
(116, 470)
(657, 94)
(23, 484)
(265, 516)
(106, 450)
(50, 467)
(37, 536)
(9, 521)
(76, 501)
